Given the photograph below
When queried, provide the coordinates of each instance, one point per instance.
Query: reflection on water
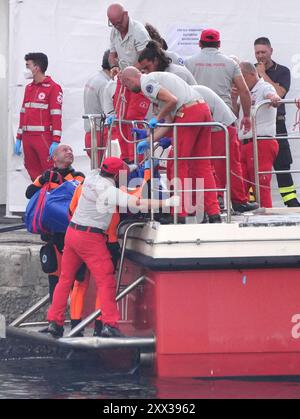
(61, 379)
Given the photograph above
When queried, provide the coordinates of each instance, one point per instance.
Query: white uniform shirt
(176, 59)
(266, 116)
(128, 49)
(93, 95)
(214, 70)
(152, 83)
(98, 201)
(218, 108)
(108, 97)
(182, 72)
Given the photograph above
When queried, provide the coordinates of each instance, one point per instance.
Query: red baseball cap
(210, 35)
(113, 165)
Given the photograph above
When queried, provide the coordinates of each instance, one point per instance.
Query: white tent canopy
(74, 34)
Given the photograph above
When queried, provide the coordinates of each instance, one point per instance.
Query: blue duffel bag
(48, 210)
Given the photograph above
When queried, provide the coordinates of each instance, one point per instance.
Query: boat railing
(256, 138)
(176, 191)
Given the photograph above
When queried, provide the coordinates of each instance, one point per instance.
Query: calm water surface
(61, 379)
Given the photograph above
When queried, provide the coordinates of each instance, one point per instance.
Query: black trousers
(283, 163)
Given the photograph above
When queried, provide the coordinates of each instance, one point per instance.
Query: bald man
(266, 128)
(62, 171)
(128, 38)
(177, 102)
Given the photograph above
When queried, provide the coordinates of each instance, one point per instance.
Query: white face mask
(28, 74)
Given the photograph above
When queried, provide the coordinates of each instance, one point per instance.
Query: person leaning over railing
(177, 102)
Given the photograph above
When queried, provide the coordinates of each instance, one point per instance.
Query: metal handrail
(120, 272)
(176, 159)
(256, 138)
(32, 310)
(97, 313)
(175, 127)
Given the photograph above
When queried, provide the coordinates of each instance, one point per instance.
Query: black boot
(110, 332)
(54, 330)
(98, 328)
(294, 203)
(215, 219)
(75, 323)
(246, 207)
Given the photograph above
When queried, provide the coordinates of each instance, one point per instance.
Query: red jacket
(42, 110)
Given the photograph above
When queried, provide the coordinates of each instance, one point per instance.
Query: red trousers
(135, 108)
(36, 153)
(267, 154)
(195, 142)
(238, 193)
(89, 248)
(88, 143)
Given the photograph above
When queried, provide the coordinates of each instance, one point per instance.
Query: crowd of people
(141, 79)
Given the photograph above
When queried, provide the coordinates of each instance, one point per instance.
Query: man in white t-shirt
(215, 70)
(128, 38)
(266, 127)
(177, 102)
(85, 242)
(94, 102)
(222, 113)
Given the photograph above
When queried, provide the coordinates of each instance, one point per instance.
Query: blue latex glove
(153, 123)
(110, 119)
(142, 147)
(147, 164)
(140, 133)
(165, 143)
(53, 147)
(17, 149)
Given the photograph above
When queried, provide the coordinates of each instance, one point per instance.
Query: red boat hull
(222, 323)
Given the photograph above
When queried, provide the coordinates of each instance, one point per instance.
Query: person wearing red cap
(215, 70)
(85, 242)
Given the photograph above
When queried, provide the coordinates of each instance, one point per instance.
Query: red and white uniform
(192, 141)
(95, 210)
(267, 149)
(40, 124)
(222, 113)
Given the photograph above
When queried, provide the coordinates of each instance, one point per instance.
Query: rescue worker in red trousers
(177, 102)
(94, 103)
(128, 39)
(266, 127)
(40, 127)
(60, 172)
(85, 242)
(81, 287)
(222, 113)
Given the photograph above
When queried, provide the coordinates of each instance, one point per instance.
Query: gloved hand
(110, 119)
(45, 178)
(142, 147)
(147, 164)
(140, 133)
(153, 123)
(165, 143)
(17, 148)
(53, 147)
